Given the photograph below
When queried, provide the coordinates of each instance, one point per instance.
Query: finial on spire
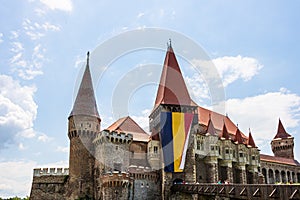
(169, 44)
(88, 56)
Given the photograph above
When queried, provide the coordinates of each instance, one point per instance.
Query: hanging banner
(174, 137)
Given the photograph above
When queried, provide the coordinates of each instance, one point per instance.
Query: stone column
(243, 177)
(267, 176)
(212, 169)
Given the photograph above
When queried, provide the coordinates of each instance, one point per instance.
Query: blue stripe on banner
(166, 138)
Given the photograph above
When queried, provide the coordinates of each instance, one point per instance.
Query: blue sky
(254, 45)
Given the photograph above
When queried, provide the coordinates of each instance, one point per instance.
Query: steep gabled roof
(224, 133)
(85, 103)
(281, 133)
(128, 125)
(211, 129)
(238, 136)
(250, 140)
(172, 88)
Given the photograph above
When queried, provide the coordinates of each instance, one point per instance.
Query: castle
(188, 144)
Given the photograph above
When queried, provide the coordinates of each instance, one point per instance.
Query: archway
(288, 177)
(283, 176)
(271, 176)
(178, 181)
(264, 172)
(277, 176)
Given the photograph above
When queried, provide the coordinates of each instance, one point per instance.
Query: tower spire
(281, 132)
(172, 88)
(251, 140)
(85, 102)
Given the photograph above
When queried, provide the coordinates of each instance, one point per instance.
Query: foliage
(15, 198)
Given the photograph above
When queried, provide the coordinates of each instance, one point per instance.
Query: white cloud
(1, 36)
(143, 120)
(14, 35)
(62, 149)
(16, 47)
(21, 146)
(234, 68)
(197, 88)
(141, 14)
(261, 113)
(44, 138)
(36, 30)
(16, 176)
(27, 69)
(17, 109)
(64, 5)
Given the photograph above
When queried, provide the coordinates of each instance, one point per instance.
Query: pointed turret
(238, 137)
(250, 140)
(85, 103)
(281, 133)
(225, 132)
(283, 143)
(211, 129)
(172, 89)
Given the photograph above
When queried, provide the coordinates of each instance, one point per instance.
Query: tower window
(198, 144)
(155, 148)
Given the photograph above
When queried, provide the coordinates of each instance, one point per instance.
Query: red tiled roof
(172, 88)
(250, 140)
(280, 160)
(281, 133)
(218, 120)
(225, 133)
(211, 129)
(128, 125)
(85, 103)
(238, 136)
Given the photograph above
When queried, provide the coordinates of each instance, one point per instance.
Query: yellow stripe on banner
(178, 138)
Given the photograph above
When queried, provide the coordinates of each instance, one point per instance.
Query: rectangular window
(155, 148)
(212, 148)
(198, 144)
(227, 151)
(241, 155)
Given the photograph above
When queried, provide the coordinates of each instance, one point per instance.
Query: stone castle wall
(49, 184)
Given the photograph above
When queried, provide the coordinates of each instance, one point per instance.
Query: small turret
(283, 143)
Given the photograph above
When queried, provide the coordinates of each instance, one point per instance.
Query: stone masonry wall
(48, 187)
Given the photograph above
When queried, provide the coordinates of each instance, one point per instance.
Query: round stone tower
(283, 143)
(84, 125)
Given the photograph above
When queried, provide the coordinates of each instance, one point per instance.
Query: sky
(254, 46)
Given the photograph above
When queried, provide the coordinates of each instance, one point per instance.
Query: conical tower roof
(85, 103)
(238, 136)
(225, 132)
(281, 133)
(211, 129)
(250, 140)
(172, 88)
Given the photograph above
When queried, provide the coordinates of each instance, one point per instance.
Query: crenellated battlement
(114, 137)
(50, 171)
